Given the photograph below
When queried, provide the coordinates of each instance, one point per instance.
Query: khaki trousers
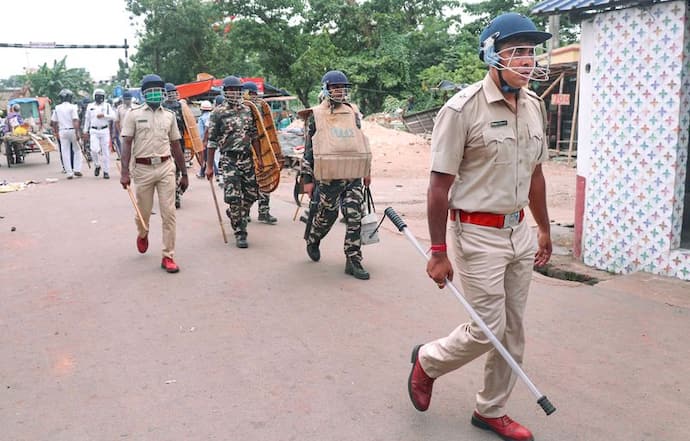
(495, 268)
(161, 178)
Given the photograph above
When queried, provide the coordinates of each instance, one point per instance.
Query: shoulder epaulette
(458, 101)
(532, 93)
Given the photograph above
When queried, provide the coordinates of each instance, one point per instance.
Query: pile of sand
(397, 153)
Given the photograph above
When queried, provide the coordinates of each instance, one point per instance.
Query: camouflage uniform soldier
(173, 104)
(264, 198)
(338, 158)
(233, 131)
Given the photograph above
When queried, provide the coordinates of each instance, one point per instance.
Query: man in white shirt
(65, 122)
(97, 127)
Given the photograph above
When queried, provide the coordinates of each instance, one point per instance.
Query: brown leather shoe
(504, 427)
(169, 265)
(143, 243)
(419, 384)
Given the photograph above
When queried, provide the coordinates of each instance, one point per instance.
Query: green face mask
(153, 96)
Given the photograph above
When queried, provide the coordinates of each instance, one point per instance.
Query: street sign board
(560, 99)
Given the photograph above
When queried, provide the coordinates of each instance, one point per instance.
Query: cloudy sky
(66, 22)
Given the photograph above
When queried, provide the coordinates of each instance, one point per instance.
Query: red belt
(150, 161)
(488, 219)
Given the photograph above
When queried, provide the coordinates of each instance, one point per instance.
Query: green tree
(390, 49)
(13, 81)
(296, 42)
(275, 42)
(384, 42)
(48, 81)
(177, 41)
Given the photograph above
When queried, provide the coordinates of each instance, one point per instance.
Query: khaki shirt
(121, 113)
(152, 130)
(491, 150)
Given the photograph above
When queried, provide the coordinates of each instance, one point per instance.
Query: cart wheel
(47, 157)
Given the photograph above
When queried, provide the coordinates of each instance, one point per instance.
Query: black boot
(267, 218)
(241, 240)
(313, 251)
(355, 269)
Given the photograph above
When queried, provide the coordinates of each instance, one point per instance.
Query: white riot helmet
(99, 95)
(65, 95)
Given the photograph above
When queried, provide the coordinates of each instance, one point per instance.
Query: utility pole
(126, 46)
(554, 28)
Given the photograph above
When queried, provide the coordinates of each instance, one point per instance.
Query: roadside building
(633, 200)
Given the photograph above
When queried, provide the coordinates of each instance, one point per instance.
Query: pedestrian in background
(202, 124)
(97, 129)
(65, 122)
(121, 112)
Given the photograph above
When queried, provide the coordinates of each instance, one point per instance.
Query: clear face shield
(233, 95)
(530, 62)
(338, 93)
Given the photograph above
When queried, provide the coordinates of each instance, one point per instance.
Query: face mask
(153, 97)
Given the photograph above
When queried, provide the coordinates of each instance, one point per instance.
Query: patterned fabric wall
(640, 121)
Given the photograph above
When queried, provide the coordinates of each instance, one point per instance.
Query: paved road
(98, 343)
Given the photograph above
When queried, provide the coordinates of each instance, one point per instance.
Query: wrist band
(438, 248)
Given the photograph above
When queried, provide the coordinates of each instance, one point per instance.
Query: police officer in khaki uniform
(120, 113)
(150, 135)
(487, 145)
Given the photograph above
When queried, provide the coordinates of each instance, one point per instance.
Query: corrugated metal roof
(550, 7)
